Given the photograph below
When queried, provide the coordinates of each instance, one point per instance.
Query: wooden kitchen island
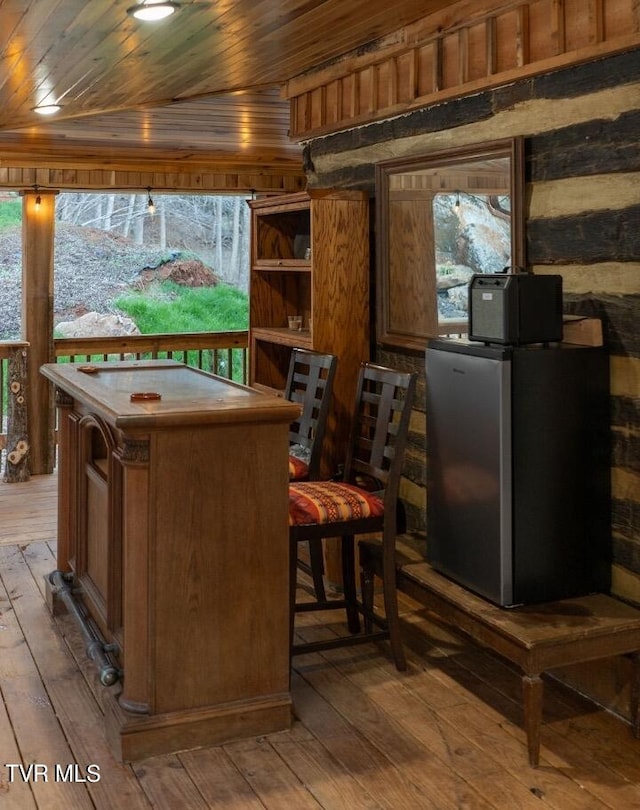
(173, 529)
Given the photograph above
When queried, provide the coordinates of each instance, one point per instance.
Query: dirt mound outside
(186, 272)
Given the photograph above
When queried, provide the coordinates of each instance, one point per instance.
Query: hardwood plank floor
(446, 734)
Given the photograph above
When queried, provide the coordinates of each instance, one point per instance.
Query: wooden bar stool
(310, 384)
(363, 502)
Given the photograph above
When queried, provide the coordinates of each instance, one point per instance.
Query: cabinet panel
(96, 517)
(165, 549)
(97, 535)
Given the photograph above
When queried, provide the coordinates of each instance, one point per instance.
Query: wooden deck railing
(222, 353)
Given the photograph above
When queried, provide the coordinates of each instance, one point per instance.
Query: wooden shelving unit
(310, 257)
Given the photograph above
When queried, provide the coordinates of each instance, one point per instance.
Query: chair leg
(316, 563)
(367, 581)
(391, 613)
(349, 583)
(293, 585)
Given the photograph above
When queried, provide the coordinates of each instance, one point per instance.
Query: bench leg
(532, 688)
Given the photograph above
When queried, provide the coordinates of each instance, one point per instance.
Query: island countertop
(169, 394)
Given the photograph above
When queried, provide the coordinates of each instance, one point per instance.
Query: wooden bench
(535, 637)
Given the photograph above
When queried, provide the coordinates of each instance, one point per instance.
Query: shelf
(283, 336)
(330, 289)
(282, 265)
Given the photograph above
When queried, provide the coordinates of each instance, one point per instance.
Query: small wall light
(38, 198)
(150, 206)
(152, 10)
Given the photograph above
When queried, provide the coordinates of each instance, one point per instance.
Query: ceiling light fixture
(150, 206)
(47, 109)
(152, 10)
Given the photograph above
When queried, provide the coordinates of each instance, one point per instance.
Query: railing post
(17, 456)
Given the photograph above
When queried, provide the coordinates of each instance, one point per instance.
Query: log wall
(582, 211)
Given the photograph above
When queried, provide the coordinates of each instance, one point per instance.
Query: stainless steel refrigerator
(518, 494)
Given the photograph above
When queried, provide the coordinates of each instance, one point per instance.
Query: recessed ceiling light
(150, 10)
(47, 109)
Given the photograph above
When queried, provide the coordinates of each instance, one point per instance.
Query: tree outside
(110, 248)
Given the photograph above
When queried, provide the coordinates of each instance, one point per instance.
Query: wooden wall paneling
(429, 69)
(557, 26)
(450, 64)
(506, 41)
(577, 28)
(477, 61)
(519, 40)
(522, 36)
(596, 21)
(490, 34)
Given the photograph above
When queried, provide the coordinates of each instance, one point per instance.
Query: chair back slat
(310, 384)
(384, 398)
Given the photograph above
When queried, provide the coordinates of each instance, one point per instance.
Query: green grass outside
(168, 308)
(10, 213)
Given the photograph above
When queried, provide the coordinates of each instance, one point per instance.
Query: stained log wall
(582, 211)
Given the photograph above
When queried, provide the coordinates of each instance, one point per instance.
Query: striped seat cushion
(298, 469)
(330, 502)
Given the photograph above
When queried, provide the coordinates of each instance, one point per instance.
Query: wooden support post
(17, 457)
(38, 215)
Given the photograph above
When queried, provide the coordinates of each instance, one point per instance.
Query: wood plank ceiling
(200, 88)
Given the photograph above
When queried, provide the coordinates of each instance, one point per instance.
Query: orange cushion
(330, 502)
(298, 469)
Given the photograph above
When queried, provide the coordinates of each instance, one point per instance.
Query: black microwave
(515, 308)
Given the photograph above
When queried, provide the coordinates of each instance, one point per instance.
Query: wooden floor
(446, 734)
